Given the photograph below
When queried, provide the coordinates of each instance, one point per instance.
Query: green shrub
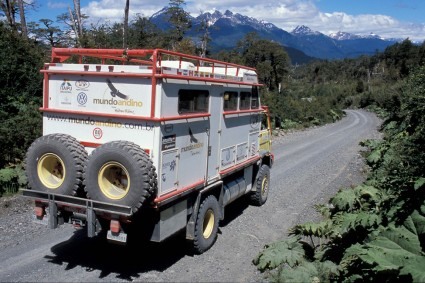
(11, 179)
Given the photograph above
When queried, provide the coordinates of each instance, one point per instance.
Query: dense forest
(360, 224)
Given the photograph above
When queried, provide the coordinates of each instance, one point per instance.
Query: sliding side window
(193, 101)
(245, 100)
(254, 99)
(230, 101)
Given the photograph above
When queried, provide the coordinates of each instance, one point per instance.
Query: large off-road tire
(261, 183)
(206, 225)
(120, 172)
(55, 164)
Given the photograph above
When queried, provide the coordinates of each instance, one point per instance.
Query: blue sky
(387, 18)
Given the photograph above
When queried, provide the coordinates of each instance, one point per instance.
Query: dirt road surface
(310, 166)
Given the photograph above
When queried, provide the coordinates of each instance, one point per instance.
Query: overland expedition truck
(148, 139)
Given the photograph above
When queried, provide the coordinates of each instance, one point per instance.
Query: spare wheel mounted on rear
(55, 163)
(120, 172)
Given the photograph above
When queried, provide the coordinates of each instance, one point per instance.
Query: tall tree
(270, 58)
(9, 9)
(204, 36)
(22, 18)
(78, 19)
(20, 78)
(125, 28)
(144, 34)
(47, 32)
(74, 20)
(179, 19)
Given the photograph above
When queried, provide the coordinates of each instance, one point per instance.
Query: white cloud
(56, 5)
(113, 10)
(286, 14)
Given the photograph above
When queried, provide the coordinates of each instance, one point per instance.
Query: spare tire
(120, 172)
(55, 164)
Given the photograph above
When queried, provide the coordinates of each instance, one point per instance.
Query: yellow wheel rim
(51, 171)
(114, 180)
(208, 225)
(264, 186)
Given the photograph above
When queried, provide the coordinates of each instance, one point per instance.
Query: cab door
(265, 136)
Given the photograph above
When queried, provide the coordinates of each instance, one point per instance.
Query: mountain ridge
(227, 28)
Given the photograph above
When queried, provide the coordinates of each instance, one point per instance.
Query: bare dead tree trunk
(125, 28)
(77, 8)
(22, 16)
(74, 27)
(9, 9)
(76, 22)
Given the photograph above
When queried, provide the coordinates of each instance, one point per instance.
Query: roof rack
(158, 59)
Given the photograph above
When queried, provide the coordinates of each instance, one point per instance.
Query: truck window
(193, 101)
(254, 98)
(245, 100)
(230, 100)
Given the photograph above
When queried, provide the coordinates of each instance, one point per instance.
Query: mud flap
(53, 214)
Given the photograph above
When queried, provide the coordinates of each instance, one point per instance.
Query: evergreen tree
(179, 19)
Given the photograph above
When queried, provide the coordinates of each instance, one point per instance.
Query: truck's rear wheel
(55, 163)
(206, 226)
(120, 172)
(259, 196)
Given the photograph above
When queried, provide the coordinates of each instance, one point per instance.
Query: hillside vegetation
(375, 231)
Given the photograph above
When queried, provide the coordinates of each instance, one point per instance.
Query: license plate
(120, 237)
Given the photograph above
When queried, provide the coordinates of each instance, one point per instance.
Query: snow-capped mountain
(233, 19)
(227, 28)
(303, 31)
(340, 35)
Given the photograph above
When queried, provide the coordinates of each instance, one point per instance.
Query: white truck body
(200, 125)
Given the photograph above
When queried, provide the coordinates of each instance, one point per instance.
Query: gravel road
(310, 166)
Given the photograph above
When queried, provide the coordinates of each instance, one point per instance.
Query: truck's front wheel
(259, 196)
(55, 163)
(206, 226)
(120, 172)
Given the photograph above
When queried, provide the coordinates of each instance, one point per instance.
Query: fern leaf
(368, 193)
(324, 209)
(288, 251)
(344, 200)
(374, 156)
(419, 222)
(299, 274)
(320, 230)
(419, 183)
(351, 254)
(347, 222)
(309, 272)
(368, 220)
(415, 268)
(403, 238)
(395, 250)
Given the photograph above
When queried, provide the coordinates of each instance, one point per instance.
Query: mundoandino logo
(117, 98)
(66, 86)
